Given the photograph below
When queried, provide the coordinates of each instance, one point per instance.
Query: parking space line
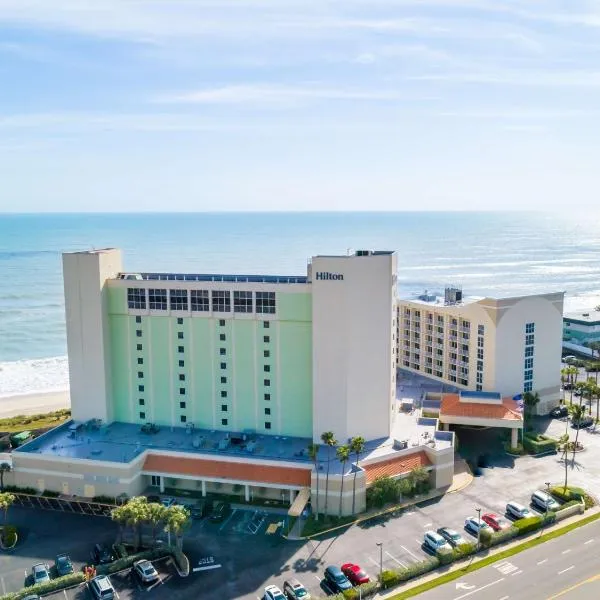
(395, 559)
(228, 519)
(3, 586)
(117, 595)
(317, 578)
(427, 525)
(566, 551)
(412, 554)
(588, 542)
(374, 561)
(542, 562)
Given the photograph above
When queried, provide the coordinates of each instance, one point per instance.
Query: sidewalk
(473, 560)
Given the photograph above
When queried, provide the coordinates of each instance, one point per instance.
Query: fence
(63, 505)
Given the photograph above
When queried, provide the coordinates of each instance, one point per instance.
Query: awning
(299, 503)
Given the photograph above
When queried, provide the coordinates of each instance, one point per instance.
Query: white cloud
(524, 77)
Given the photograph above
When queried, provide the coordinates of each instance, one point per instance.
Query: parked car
(543, 501)
(355, 574)
(514, 510)
(452, 537)
(145, 571)
(294, 590)
(40, 573)
(272, 592)
(336, 580)
(220, 511)
(167, 501)
(63, 565)
(582, 423)
(568, 386)
(569, 358)
(472, 525)
(434, 541)
(31, 597)
(102, 588)
(558, 412)
(102, 554)
(495, 522)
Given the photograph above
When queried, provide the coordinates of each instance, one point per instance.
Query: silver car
(145, 570)
(40, 573)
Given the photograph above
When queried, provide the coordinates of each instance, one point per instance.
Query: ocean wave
(34, 376)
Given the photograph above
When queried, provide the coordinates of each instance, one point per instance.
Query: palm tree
(6, 501)
(328, 438)
(530, 400)
(4, 468)
(564, 439)
(177, 519)
(576, 416)
(155, 515)
(357, 446)
(595, 347)
(573, 375)
(313, 453)
(564, 377)
(417, 477)
(580, 387)
(133, 514)
(342, 453)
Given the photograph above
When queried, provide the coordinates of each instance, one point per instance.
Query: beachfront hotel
(217, 384)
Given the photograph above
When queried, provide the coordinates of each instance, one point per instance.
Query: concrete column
(162, 484)
(514, 438)
(292, 496)
(203, 488)
(444, 426)
(247, 492)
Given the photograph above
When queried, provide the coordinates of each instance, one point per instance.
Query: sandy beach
(31, 404)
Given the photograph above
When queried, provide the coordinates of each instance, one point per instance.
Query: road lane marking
(588, 542)
(505, 598)
(65, 593)
(574, 587)
(407, 550)
(506, 568)
(228, 519)
(427, 525)
(395, 559)
(567, 569)
(483, 587)
(566, 551)
(542, 562)
(517, 572)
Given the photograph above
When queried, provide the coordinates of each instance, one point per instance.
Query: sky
(224, 105)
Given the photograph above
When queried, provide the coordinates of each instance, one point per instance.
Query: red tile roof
(392, 467)
(451, 405)
(220, 469)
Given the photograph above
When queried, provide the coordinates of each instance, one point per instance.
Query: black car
(220, 511)
(559, 411)
(582, 423)
(452, 536)
(102, 554)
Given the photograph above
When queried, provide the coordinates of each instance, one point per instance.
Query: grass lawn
(30, 422)
(313, 527)
(475, 566)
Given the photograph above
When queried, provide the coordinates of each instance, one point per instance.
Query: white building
(509, 345)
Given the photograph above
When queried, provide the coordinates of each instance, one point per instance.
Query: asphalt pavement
(567, 567)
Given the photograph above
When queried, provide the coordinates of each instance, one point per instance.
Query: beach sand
(31, 404)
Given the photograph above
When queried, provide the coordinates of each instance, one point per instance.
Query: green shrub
(181, 559)
(464, 550)
(568, 504)
(21, 490)
(485, 537)
(104, 500)
(51, 586)
(444, 555)
(528, 524)
(419, 568)
(568, 493)
(120, 550)
(368, 589)
(389, 578)
(539, 444)
(504, 535)
(50, 494)
(549, 518)
(383, 490)
(518, 449)
(124, 563)
(9, 536)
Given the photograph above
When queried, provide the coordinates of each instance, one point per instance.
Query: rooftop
(214, 277)
(591, 315)
(452, 405)
(122, 442)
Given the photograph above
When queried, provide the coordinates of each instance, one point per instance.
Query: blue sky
(109, 105)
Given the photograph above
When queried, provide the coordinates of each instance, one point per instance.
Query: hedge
(21, 490)
(464, 550)
(104, 500)
(394, 576)
(539, 444)
(568, 493)
(47, 588)
(362, 591)
(9, 536)
(445, 555)
(569, 504)
(491, 538)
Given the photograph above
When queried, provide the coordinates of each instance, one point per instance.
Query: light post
(478, 510)
(548, 492)
(380, 544)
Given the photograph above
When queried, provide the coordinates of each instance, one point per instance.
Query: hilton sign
(320, 276)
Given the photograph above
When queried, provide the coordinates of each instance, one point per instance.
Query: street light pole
(548, 492)
(478, 510)
(380, 544)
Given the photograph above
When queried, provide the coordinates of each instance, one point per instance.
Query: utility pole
(478, 510)
(380, 544)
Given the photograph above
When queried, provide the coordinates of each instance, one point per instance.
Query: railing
(79, 507)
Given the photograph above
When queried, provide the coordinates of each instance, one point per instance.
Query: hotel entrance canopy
(484, 409)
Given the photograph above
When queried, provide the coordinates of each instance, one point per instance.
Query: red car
(495, 522)
(355, 574)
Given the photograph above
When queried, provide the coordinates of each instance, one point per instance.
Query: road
(567, 567)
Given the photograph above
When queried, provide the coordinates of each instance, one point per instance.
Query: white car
(40, 573)
(272, 592)
(145, 570)
(542, 501)
(472, 525)
(434, 541)
(515, 510)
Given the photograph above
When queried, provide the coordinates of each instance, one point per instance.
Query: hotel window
(138, 319)
(180, 335)
(223, 407)
(267, 425)
(266, 353)
(529, 339)
(266, 324)
(140, 361)
(242, 302)
(223, 421)
(140, 375)
(267, 382)
(183, 418)
(157, 299)
(478, 387)
(136, 298)
(530, 328)
(222, 337)
(222, 351)
(181, 377)
(528, 387)
(529, 375)
(182, 405)
(140, 388)
(138, 332)
(142, 415)
(139, 347)
(182, 363)
(265, 303)
(141, 401)
(479, 377)
(479, 353)
(529, 351)
(267, 397)
(179, 300)
(267, 411)
(180, 349)
(221, 301)
(266, 339)
(223, 379)
(480, 342)
(223, 394)
(480, 365)
(529, 363)
(223, 365)
(221, 322)
(199, 300)
(179, 321)
(182, 391)
(267, 368)
(480, 329)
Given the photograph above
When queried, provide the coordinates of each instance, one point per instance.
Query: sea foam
(34, 376)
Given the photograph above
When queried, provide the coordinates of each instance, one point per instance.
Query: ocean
(498, 254)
